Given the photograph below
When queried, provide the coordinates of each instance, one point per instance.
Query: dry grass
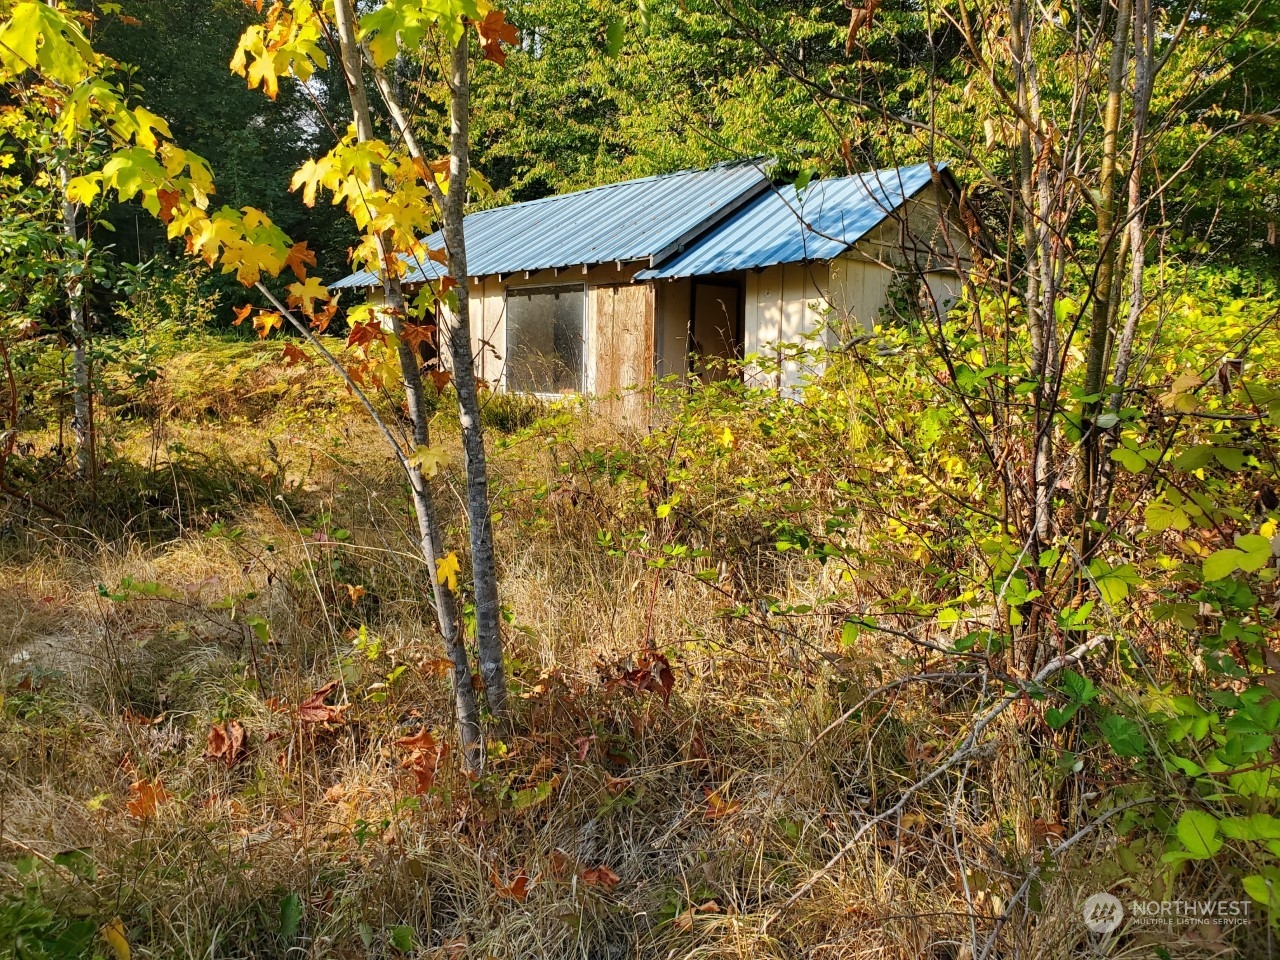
(711, 810)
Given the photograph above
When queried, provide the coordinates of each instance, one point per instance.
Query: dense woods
(317, 643)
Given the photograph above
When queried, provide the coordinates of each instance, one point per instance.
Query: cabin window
(546, 334)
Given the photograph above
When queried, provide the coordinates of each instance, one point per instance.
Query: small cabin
(602, 290)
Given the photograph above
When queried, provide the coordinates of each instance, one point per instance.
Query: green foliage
(34, 925)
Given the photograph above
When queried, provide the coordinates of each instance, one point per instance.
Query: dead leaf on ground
(226, 742)
(717, 805)
(424, 760)
(653, 673)
(517, 888)
(315, 710)
(144, 797)
(600, 876)
(422, 740)
(684, 921)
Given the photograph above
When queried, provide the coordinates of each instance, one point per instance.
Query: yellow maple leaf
(428, 459)
(726, 438)
(265, 322)
(306, 293)
(447, 571)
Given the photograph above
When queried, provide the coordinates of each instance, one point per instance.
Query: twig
(964, 750)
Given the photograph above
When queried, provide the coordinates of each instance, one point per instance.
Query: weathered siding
(785, 305)
(621, 352)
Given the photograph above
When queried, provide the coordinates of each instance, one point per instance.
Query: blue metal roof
(779, 226)
(633, 220)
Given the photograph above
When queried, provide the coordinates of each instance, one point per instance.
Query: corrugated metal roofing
(820, 223)
(633, 220)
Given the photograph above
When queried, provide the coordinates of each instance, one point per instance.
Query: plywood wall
(785, 309)
(620, 355)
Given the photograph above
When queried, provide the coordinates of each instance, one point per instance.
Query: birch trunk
(469, 732)
(82, 404)
(483, 564)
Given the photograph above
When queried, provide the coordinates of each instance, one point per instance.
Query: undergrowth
(226, 725)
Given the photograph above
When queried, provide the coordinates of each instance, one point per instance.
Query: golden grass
(711, 810)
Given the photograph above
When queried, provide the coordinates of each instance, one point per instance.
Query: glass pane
(545, 339)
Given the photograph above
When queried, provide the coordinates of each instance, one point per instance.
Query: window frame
(528, 290)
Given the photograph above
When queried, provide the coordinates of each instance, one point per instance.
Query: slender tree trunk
(1143, 83)
(82, 409)
(458, 333)
(483, 563)
(1111, 254)
(469, 732)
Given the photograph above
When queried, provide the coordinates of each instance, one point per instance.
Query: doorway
(715, 329)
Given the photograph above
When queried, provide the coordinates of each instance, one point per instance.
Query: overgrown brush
(731, 652)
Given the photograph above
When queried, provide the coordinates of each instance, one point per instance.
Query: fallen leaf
(144, 797)
(600, 876)
(114, 934)
(422, 740)
(717, 805)
(424, 759)
(684, 922)
(515, 889)
(293, 354)
(226, 743)
(315, 710)
(653, 674)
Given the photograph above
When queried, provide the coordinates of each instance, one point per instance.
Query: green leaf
(290, 916)
(1131, 460)
(39, 36)
(1257, 552)
(1263, 891)
(1230, 457)
(1222, 563)
(849, 633)
(1161, 516)
(1123, 736)
(1194, 458)
(524, 799)
(1259, 826)
(402, 938)
(1198, 832)
(613, 38)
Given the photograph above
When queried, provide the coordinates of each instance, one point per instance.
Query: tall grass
(277, 558)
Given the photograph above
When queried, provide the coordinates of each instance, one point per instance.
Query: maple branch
(336, 364)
